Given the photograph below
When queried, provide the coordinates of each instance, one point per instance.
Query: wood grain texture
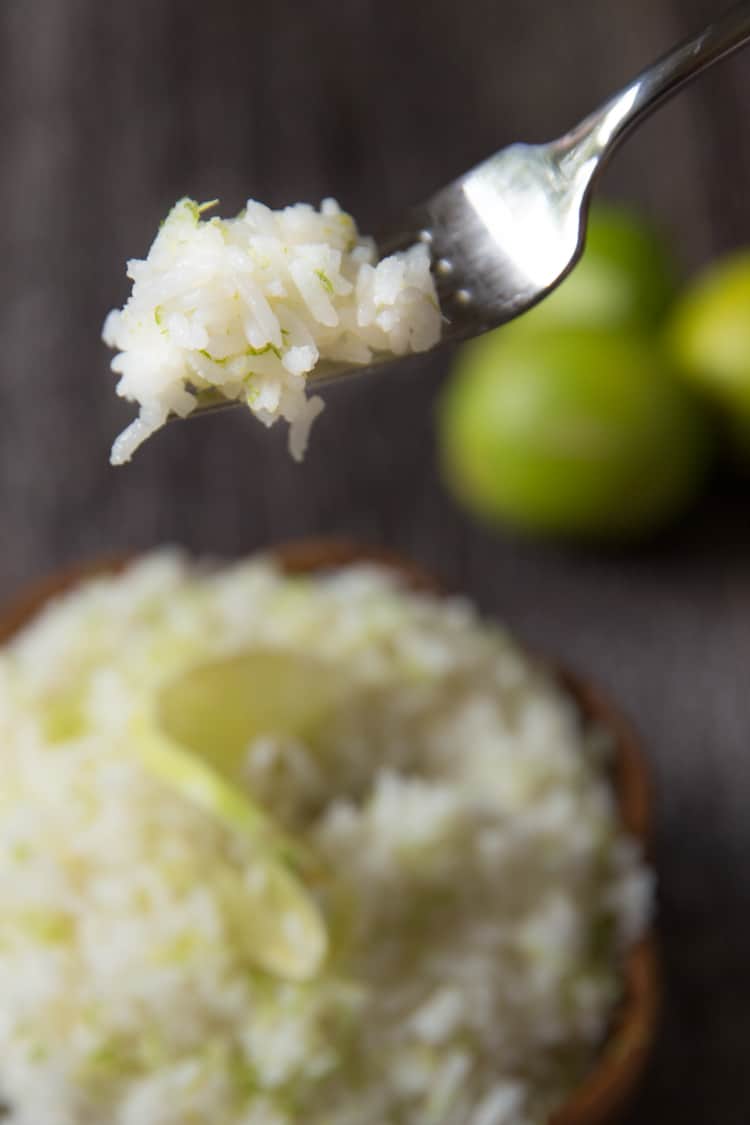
(110, 111)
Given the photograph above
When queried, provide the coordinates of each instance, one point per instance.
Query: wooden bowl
(603, 1095)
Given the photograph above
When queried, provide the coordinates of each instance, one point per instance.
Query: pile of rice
(248, 307)
(478, 891)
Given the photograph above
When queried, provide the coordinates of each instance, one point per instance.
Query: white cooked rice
(479, 894)
(248, 307)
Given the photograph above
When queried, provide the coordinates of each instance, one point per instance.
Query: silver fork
(508, 232)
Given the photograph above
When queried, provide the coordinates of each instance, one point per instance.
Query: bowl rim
(613, 1079)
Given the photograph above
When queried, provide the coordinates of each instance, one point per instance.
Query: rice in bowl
(478, 890)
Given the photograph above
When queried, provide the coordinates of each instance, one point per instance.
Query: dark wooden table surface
(109, 111)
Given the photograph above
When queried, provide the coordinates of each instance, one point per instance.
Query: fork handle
(593, 140)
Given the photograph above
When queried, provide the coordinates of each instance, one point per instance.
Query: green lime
(195, 777)
(572, 433)
(277, 920)
(216, 709)
(626, 279)
(709, 337)
(195, 742)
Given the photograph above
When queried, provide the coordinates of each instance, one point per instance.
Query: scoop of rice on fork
(245, 309)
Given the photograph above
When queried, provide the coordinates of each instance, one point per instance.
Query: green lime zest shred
(106, 1059)
(242, 1075)
(249, 351)
(159, 318)
(212, 358)
(178, 951)
(49, 927)
(38, 1052)
(325, 281)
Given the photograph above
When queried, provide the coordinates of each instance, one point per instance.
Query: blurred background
(111, 111)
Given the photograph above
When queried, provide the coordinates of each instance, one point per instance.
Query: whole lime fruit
(626, 279)
(571, 433)
(709, 338)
